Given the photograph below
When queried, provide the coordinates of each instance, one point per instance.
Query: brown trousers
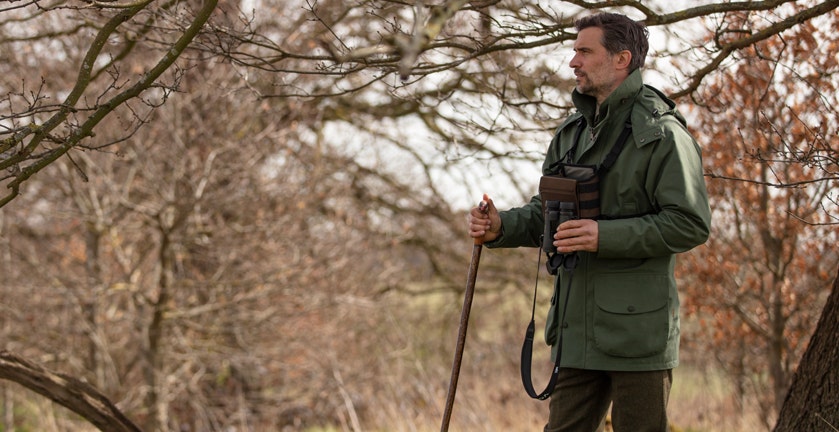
(581, 399)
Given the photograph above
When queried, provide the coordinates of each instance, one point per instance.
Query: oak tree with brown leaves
(768, 124)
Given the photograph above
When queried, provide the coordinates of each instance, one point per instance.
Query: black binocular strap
(610, 158)
(569, 262)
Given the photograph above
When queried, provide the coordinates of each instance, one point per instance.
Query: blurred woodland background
(250, 216)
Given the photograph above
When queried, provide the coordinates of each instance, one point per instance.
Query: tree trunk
(67, 391)
(812, 403)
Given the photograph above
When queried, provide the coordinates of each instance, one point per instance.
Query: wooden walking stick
(464, 322)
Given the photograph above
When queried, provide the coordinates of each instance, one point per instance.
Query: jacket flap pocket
(631, 294)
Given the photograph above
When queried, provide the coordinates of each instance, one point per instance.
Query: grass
(700, 402)
(490, 395)
(703, 401)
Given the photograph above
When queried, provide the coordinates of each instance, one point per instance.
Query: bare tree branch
(67, 391)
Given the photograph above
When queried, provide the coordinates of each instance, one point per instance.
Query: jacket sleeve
(521, 226)
(675, 187)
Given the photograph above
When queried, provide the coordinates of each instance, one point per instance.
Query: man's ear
(622, 60)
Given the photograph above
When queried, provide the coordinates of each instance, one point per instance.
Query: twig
(819, 416)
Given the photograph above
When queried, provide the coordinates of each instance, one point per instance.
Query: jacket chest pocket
(632, 314)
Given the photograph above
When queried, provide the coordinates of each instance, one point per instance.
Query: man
(620, 329)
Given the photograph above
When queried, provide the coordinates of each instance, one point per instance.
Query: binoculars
(556, 212)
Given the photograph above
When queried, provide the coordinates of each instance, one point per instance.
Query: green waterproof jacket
(623, 309)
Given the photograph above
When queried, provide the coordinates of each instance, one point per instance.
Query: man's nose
(575, 62)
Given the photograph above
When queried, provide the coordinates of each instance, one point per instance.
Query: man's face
(597, 71)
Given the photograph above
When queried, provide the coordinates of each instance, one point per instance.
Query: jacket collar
(618, 103)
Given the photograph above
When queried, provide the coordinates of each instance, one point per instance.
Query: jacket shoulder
(654, 116)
